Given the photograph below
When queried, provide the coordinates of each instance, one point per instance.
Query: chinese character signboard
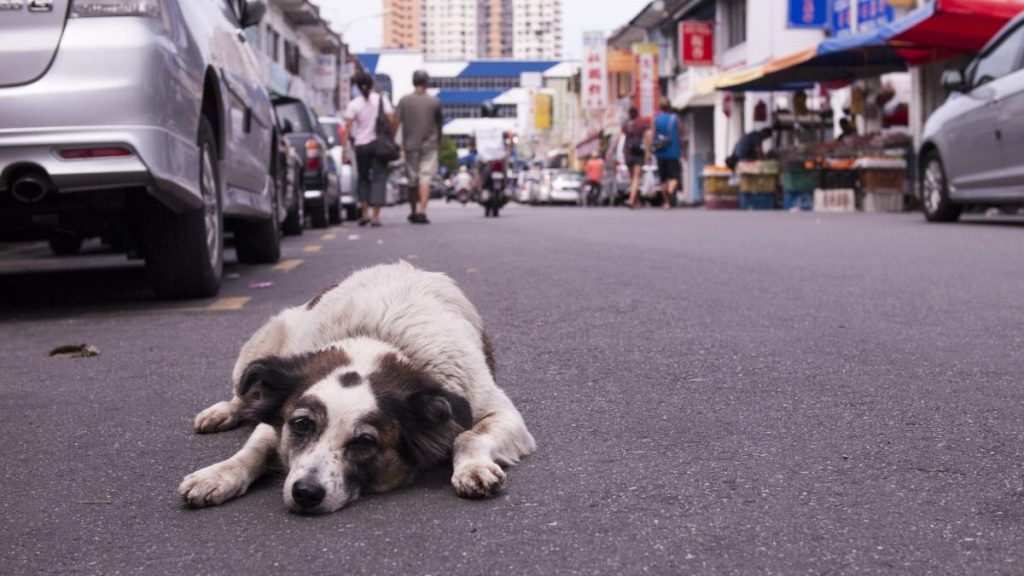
(873, 13)
(808, 13)
(842, 17)
(594, 73)
(645, 92)
(696, 43)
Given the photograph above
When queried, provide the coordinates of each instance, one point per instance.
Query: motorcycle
(492, 193)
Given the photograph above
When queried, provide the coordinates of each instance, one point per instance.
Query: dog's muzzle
(308, 493)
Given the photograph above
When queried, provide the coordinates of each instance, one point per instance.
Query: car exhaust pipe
(30, 188)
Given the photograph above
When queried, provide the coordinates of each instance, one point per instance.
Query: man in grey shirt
(419, 115)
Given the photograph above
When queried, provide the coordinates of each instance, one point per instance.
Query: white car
(344, 159)
(564, 187)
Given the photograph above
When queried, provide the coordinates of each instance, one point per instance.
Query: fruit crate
(722, 202)
(715, 183)
(758, 183)
(800, 180)
(835, 200)
(883, 178)
(883, 201)
(837, 178)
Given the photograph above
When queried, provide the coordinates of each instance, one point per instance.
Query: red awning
(944, 27)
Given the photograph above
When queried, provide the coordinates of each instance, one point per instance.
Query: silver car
(143, 122)
(973, 151)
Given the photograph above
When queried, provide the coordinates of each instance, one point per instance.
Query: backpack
(634, 142)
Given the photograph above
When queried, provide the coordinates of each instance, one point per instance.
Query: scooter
(492, 194)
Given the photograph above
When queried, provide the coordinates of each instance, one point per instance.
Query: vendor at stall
(749, 147)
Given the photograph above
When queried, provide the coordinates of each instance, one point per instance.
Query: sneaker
(375, 224)
(422, 219)
(413, 217)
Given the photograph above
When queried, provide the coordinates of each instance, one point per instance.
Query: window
(1002, 59)
(735, 20)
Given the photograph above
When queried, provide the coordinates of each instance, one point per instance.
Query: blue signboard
(808, 13)
(873, 13)
(842, 17)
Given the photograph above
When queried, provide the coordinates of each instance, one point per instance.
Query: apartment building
(403, 24)
(537, 29)
(451, 29)
(494, 29)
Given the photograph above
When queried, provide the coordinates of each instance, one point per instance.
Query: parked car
(973, 144)
(319, 183)
(289, 173)
(343, 154)
(134, 122)
(564, 187)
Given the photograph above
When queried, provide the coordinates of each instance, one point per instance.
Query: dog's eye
(302, 426)
(362, 443)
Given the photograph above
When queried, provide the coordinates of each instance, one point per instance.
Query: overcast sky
(580, 15)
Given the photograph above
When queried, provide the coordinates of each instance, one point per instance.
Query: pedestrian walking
(419, 115)
(637, 148)
(361, 123)
(667, 150)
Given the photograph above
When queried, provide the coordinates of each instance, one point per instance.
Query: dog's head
(353, 417)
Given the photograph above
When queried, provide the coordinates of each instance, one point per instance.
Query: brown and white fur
(382, 374)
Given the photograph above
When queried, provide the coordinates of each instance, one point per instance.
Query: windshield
(295, 113)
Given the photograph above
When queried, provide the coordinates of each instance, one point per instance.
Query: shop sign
(645, 91)
(542, 104)
(808, 13)
(696, 43)
(620, 61)
(873, 13)
(842, 17)
(594, 74)
(326, 72)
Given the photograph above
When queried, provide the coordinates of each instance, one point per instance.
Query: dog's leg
(225, 480)
(270, 340)
(498, 439)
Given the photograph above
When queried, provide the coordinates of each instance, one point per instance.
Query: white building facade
(450, 29)
(537, 29)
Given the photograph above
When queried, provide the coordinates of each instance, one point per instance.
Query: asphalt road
(711, 392)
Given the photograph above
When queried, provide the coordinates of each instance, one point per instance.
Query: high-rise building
(403, 24)
(494, 29)
(450, 29)
(537, 29)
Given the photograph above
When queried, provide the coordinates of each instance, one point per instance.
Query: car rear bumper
(564, 195)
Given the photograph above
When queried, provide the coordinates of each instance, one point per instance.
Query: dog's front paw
(217, 418)
(213, 485)
(478, 480)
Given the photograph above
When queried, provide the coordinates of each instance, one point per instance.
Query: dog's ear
(264, 387)
(433, 419)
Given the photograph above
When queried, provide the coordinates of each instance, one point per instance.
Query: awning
(937, 30)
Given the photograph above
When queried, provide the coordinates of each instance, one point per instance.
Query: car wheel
(65, 243)
(185, 252)
(319, 216)
(334, 214)
(935, 191)
(259, 242)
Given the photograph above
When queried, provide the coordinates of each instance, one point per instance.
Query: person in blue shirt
(668, 150)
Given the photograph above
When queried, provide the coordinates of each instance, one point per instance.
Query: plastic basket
(757, 201)
(883, 202)
(718, 185)
(759, 182)
(882, 178)
(722, 202)
(800, 180)
(835, 200)
(832, 179)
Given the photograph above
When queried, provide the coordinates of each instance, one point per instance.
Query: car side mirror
(953, 80)
(252, 12)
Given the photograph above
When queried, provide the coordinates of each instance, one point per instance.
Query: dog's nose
(308, 493)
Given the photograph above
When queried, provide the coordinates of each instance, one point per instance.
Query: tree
(448, 156)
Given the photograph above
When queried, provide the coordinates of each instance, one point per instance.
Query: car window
(331, 130)
(1002, 59)
(295, 113)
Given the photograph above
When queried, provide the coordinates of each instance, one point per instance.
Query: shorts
(420, 166)
(634, 160)
(669, 169)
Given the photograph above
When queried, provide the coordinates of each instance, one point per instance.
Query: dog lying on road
(382, 374)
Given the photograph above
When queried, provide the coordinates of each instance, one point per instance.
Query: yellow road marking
(312, 248)
(236, 303)
(329, 236)
(287, 265)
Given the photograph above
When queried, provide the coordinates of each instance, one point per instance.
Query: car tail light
(93, 8)
(312, 154)
(84, 153)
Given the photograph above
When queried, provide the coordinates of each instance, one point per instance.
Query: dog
(385, 373)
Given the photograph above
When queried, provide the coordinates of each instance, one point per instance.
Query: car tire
(334, 213)
(65, 243)
(259, 242)
(185, 252)
(935, 190)
(318, 218)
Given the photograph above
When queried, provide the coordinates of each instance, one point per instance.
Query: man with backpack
(667, 150)
(637, 149)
